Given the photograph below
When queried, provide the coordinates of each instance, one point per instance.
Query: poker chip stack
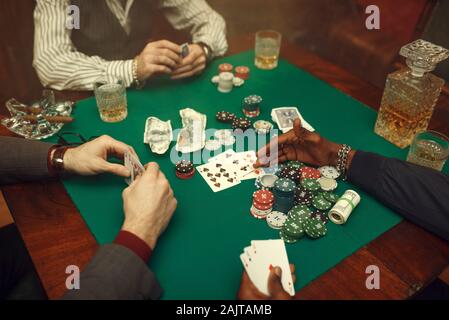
(184, 169)
(262, 204)
(251, 106)
(290, 173)
(303, 196)
(225, 116)
(276, 220)
(292, 229)
(242, 124)
(225, 67)
(309, 173)
(242, 72)
(284, 194)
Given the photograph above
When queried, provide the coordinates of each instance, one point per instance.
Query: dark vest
(101, 34)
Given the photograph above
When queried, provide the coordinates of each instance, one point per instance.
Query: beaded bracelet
(342, 158)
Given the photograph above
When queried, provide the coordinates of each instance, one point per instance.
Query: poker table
(198, 255)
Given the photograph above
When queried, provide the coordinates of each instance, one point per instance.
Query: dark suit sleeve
(419, 194)
(116, 273)
(22, 160)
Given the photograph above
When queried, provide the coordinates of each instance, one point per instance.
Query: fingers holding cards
(132, 163)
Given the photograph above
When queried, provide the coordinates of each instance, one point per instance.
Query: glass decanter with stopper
(410, 94)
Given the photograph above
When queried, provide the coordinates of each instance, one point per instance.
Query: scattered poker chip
(242, 72)
(310, 184)
(263, 196)
(276, 220)
(225, 116)
(314, 228)
(327, 184)
(237, 82)
(251, 105)
(212, 145)
(242, 124)
(223, 134)
(331, 197)
(225, 67)
(286, 238)
(310, 173)
(329, 172)
(321, 204)
(262, 126)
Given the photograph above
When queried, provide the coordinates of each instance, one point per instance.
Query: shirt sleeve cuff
(135, 244)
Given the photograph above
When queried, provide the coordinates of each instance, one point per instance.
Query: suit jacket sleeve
(116, 273)
(419, 194)
(22, 160)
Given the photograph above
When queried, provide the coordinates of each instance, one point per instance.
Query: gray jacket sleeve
(116, 273)
(22, 160)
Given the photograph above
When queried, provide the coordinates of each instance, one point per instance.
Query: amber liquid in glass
(407, 106)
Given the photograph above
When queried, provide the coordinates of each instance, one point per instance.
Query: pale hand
(149, 204)
(159, 57)
(191, 65)
(91, 157)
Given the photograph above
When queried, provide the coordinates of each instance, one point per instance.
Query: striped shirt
(60, 66)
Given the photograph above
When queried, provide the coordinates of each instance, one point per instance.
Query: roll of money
(341, 211)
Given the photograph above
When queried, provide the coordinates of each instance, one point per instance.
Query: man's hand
(249, 292)
(159, 57)
(91, 157)
(149, 204)
(191, 65)
(299, 144)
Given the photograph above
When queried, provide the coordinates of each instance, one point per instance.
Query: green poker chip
(300, 212)
(331, 197)
(286, 238)
(315, 228)
(285, 185)
(294, 164)
(321, 203)
(294, 230)
(310, 184)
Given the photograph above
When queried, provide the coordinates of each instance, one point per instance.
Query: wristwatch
(207, 50)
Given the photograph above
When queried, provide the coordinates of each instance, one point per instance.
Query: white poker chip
(262, 126)
(238, 82)
(215, 79)
(223, 134)
(329, 172)
(268, 180)
(212, 145)
(276, 220)
(327, 184)
(229, 141)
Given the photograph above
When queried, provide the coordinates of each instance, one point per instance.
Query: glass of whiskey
(429, 149)
(111, 100)
(268, 46)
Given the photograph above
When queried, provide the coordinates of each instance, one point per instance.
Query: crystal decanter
(410, 94)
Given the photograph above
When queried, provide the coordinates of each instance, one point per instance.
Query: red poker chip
(185, 176)
(261, 206)
(225, 67)
(310, 173)
(242, 72)
(263, 196)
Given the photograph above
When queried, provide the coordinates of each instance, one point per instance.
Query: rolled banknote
(341, 211)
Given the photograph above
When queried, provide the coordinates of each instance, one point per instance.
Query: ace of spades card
(218, 175)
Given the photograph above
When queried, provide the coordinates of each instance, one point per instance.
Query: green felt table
(198, 255)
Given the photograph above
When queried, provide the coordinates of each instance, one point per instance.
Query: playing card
(222, 156)
(285, 117)
(219, 176)
(243, 163)
(269, 254)
(132, 163)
